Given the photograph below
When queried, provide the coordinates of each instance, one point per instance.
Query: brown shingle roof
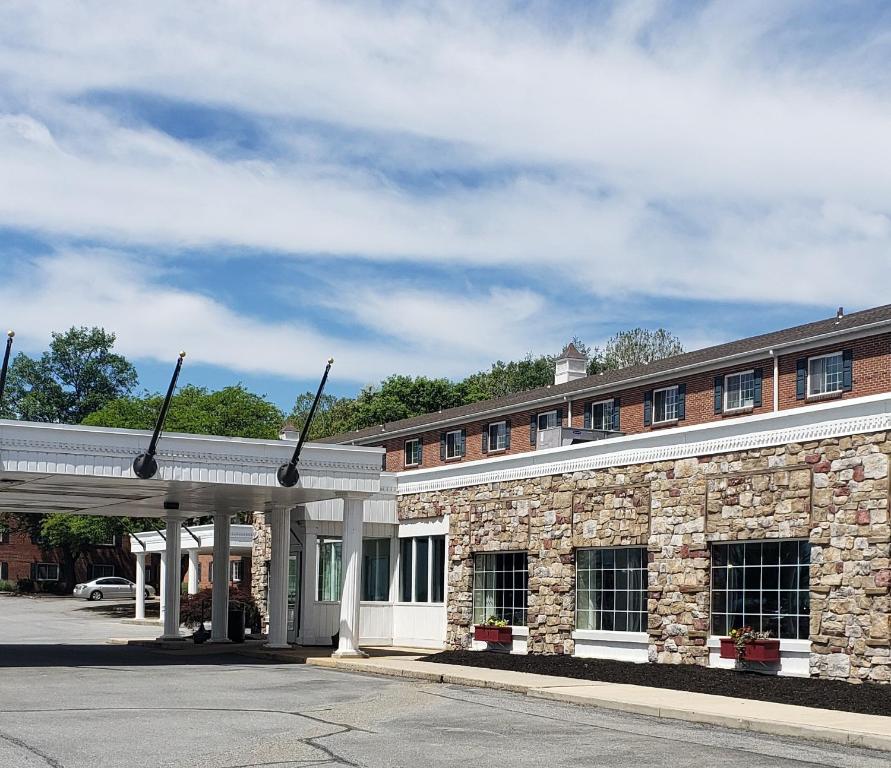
(570, 351)
(619, 378)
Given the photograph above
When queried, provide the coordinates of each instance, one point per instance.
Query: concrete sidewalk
(869, 731)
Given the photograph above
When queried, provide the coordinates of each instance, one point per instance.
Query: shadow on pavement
(102, 655)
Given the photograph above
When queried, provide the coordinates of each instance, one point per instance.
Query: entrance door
(294, 593)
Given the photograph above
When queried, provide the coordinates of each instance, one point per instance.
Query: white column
(140, 585)
(193, 571)
(162, 591)
(277, 608)
(351, 549)
(173, 582)
(219, 605)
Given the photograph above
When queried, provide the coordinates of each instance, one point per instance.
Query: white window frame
(666, 389)
(611, 402)
(46, 565)
(94, 575)
(519, 606)
(456, 442)
(597, 592)
(405, 452)
(320, 542)
(738, 375)
(546, 415)
(493, 447)
(414, 570)
(841, 385)
(236, 567)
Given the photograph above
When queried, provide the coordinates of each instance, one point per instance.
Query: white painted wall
(795, 658)
(620, 646)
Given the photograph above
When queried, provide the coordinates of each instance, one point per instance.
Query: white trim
(674, 418)
(861, 415)
(489, 448)
(738, 408)
(827, 392)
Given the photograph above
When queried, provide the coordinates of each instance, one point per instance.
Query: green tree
(231, 411)
(507, 378)
(77, 375)
(637, 346)
(400, 397)
(333, 415)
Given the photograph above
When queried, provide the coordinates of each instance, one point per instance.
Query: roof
(623, 377)
(570, 352)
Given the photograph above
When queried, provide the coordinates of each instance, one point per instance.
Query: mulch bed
(865, 698)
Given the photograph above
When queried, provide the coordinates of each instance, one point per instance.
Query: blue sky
(424, 188)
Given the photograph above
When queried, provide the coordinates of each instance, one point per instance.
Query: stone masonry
(833, 492)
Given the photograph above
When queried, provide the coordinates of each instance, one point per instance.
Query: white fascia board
(617, 387)
(812, 422)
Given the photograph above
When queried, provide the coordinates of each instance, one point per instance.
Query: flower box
(493, 634)
(757, 650)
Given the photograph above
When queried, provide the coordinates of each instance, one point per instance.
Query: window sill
(738, 411)
(664, 424)
(451, 459)
(410, 466)
(418, 604)
(824, 396)
(495, 450)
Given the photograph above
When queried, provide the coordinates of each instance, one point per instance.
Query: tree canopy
(637, 346)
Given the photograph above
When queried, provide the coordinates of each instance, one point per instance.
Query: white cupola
(571, 365)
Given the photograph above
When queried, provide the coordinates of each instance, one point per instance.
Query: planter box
(757, 650)
(493, 634)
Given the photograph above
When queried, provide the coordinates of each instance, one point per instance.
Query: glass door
(294, 569)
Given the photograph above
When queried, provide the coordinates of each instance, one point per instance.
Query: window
(4, 535)
(500, 582)
(209, 571)
(497, 436)
(665, 404)
(765, 585)
(454, 444)
(330, 578)
(611, 588)
(149, 574)
(547, 420)
(602, 415)
(739, 390)
(412, 453)
(236, 570)
(4, 571)
(46, 572)
(422, 569)
(101, 569)
(376, 570)
(825, 374)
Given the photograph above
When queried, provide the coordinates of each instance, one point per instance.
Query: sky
(424, 188)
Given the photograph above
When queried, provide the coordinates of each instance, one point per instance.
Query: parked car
(109, 587)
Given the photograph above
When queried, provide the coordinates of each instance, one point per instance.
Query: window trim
(809, 394)
(389, 553)
(457, 443)
(320, 540)
(674, 418)
(233, 564)
(623, 634)
(473, 590)
(405, 452)
(538, 416)
(738, 408)
(50, 565)
(414, 569)
(489, 448)
(612, 405)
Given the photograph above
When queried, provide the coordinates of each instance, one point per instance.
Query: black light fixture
(287, 473)
(145, 466)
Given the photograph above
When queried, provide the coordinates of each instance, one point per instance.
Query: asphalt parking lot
(91, 705)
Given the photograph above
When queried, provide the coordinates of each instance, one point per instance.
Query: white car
(109, 587)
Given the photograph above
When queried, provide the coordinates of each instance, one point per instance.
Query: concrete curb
(558, 692)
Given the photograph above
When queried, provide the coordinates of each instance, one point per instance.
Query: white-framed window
(665, 404)
(99, 570)
(376, 570)
(4, 534)
(497, 436)
(762, 584)
(611, 589)
(825, 374)
(500, 587)
(236, 570)
(547, 420)
(412, 452)
(454, 444)
(602, 415)
(330, 570)
(422, 569)
(46, 572)
(739, 390)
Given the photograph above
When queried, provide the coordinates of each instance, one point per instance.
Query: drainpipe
(776, 380)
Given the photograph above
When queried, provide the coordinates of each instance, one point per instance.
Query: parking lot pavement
(100, 706)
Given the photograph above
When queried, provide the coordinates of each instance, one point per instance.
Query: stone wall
(260, 554)
(832, 492)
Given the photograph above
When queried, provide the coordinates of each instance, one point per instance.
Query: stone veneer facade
(261, 552)
(833, 492)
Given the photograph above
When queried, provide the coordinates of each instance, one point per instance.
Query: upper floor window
(4, 535)
(547, 420)
(739, 390)
(452, 444)
(412, 452)
(824, 374)
(601, 415)
(496, 437)
(665, 404)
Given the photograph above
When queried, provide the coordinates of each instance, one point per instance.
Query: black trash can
(236, 625)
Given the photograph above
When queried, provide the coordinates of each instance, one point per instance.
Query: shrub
(195, 609)
(25, 585)
(6, 586)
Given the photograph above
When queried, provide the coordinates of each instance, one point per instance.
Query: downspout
(776, 380)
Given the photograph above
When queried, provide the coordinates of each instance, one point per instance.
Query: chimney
(289, 432)
(840, 314)
(571, 365)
